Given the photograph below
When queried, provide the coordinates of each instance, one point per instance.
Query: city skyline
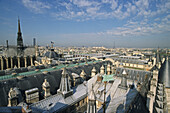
(129, 23)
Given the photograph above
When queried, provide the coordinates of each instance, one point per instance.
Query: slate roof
(164, 75)
(134, 74)
(118, 99)
(16, 109)
(56, 102)
(36, 80)
(127, 102)
(132, 61)
(51, 54)
(126, 99)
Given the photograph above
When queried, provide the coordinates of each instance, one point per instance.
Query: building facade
(19, 55)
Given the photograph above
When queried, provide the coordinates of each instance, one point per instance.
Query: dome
(51, 54)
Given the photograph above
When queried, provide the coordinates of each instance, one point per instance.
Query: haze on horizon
(131, 23)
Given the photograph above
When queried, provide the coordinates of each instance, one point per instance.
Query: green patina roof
(108, 77)
(42, 70)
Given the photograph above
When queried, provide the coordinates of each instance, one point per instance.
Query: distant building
(34, 41)
(17, 56)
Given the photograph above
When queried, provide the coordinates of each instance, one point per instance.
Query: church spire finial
(123, 83)
(65, 89)
(19, 29)
(91, 107)
(19, 37)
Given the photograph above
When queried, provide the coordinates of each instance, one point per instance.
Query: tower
(34, 42)
(91, 107)
(65, 89)
(19, 37)
(7, 43)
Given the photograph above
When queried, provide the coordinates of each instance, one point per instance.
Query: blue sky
(128, 23)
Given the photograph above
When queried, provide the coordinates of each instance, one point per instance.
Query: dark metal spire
(19, 29)
(19, 37)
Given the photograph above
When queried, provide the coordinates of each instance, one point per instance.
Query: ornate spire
(123, 83)
(19, 29)
(65, 89)
(91, 107)
(124, 72)
(19, 38)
